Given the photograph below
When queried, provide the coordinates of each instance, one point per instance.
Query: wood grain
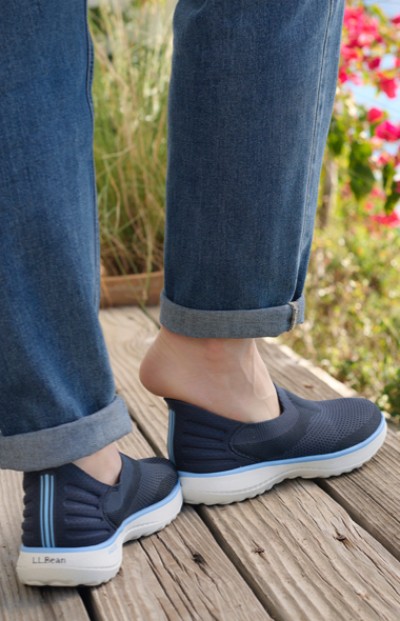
(298, 549)
(17, 602)
(179, 574)
(316, 562)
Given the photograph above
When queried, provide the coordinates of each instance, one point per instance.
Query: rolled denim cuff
(251, 323)
(55, 446)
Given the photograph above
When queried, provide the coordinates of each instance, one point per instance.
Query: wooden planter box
(135, 289)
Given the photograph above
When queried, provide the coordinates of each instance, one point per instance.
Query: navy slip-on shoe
(75, 526)
(221, 460)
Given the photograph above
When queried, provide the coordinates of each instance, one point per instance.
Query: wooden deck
(306, 551)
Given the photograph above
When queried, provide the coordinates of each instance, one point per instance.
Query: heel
(62, 567)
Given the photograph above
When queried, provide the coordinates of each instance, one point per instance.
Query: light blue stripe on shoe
(285, 462)
(51, 511)
(47, 510)
(171, 496)
(42, 534)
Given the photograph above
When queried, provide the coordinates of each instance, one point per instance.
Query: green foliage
(390, 186)
(352, 328)
(358, 136)
(337, 137)
(391, 394)
(132, 49)
(362, 178)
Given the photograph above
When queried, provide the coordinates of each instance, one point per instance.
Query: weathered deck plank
(317, 563)
(17, 602)
(370, 495)
(179, 574)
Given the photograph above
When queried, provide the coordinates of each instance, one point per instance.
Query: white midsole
(94, 564)
(226, 488)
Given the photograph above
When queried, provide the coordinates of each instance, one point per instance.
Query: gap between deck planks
(297, 547)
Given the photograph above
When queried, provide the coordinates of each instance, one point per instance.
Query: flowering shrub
(366, 141)
(392, 219)
(353, 289)
(352, 325)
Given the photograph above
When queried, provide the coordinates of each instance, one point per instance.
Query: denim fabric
(57, 395)
(252, 90)
(231, 323)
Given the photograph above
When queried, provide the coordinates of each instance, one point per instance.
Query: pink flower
(365, 39)
(396, 19)
(388, 131)
(374, 114)
(343, 75)
(362, 29)
(373, 63)
(388, 85)
(377, 192)
(355, 78)
(349, 53)
(384, 159)
(392, 220)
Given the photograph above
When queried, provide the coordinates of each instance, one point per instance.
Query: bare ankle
(104, 465)
(210, 349)
(226, 376)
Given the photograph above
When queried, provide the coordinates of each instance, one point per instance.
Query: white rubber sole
(249, 481)
(93, 565)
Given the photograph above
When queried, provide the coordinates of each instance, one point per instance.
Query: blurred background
(353, 287)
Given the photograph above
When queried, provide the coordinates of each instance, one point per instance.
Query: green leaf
(388, 173)
(376, 10)
(362, 178)
(361, 151)
(392, 198)
(336, 137)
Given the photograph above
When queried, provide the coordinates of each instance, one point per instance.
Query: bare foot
(225, 376)
(105, 465)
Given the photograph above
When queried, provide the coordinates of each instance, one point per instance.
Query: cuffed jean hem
(49, 448)
(252, 323)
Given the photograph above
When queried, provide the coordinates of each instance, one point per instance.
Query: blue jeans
(250, 103)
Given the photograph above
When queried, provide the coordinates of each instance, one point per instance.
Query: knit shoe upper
(65, 507)
(203, 442)
(74, 526)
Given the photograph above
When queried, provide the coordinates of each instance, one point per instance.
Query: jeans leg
(252, 90)
(57, 395)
